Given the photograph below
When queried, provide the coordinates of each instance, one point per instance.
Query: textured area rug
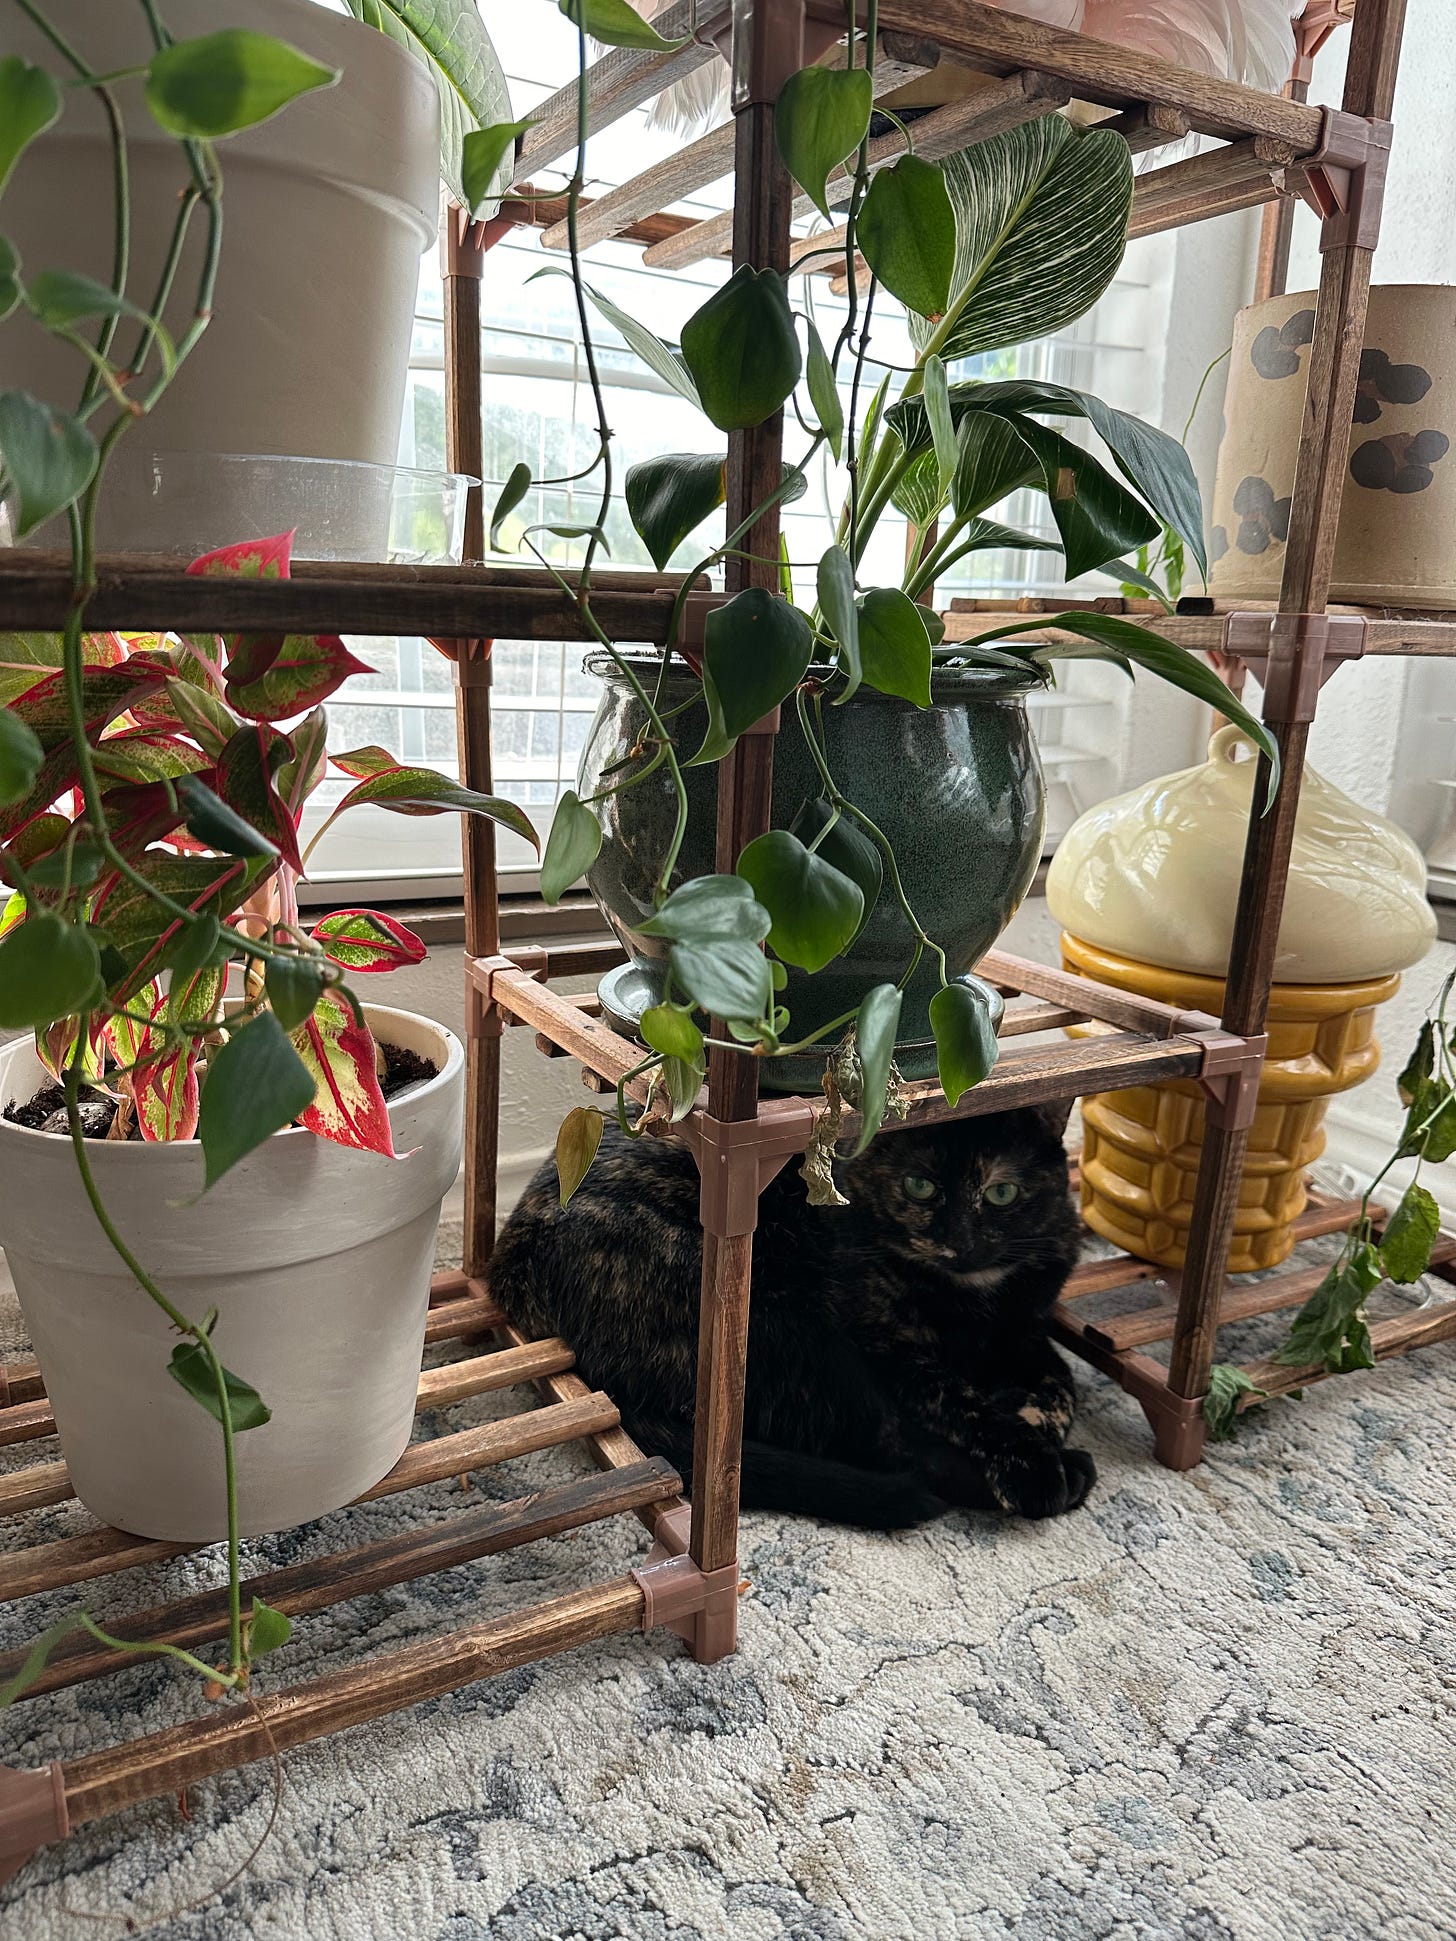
(1216, 1706)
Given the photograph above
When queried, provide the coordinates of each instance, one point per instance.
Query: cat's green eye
(1001, 1192)
(920, 1189)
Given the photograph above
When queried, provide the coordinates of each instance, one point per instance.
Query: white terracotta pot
(327, 208)
(317, 1259)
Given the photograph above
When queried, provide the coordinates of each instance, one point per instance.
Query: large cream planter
(327, 208)
(1398, 512)
(317, 1259)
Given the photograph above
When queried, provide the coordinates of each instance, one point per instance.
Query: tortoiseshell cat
(898, 1355)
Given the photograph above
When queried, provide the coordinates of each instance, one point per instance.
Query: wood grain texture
(944, 131)
(72, 1560)
(620, 81)
(1241, 1303)
(451, 602)
(300, 1590)
(158, 1766)
(1422, 1328)
(700, 162)
(588, 1039)
(1123, 77)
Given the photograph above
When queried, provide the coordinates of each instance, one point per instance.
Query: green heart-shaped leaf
(482, 151)
(821, 117)
(756, 650)
(50, 456)
(1410, 1233)
(571, 848)
(963, 1018)
(846, 847)
(894, 645)
(49, 969)
(191, 1369)
(21, 756)
(256, 1085)
(907, 234)
(668, 497)
(816, 909)
(742, 349)
(729, 978)
(294, 985)
(616, 24)
(707, 907)
(267, 1629)
(214, 84)
(29, 102)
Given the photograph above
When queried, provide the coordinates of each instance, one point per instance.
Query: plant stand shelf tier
(1265, 149)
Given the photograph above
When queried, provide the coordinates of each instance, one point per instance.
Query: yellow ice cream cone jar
(1144, 887)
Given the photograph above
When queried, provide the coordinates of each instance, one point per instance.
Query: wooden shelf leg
(1334, 369)
(465, 244)
(718, 1427)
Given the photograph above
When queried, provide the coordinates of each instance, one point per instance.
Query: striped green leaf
(1041, 224)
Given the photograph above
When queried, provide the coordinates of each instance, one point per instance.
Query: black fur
(898, 1355)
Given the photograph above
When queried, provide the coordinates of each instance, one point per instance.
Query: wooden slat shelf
(1269, 151)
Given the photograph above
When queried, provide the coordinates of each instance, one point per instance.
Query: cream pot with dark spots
(1398, 517)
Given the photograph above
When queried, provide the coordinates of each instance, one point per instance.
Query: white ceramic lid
(1154, 874)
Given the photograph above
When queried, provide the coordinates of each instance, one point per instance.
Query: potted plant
(150, 795)
(343, 199)
(907, 800)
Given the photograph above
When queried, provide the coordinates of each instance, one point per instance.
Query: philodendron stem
(74, 1074)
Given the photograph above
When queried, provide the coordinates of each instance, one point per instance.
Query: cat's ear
(1053, 1115)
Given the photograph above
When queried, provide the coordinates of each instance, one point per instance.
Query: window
(538, 406)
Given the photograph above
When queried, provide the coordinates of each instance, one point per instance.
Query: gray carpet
(1216, 1705)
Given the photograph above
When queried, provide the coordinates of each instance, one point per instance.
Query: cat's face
(974, 1201)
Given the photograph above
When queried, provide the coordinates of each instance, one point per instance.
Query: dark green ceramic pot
(956, 787)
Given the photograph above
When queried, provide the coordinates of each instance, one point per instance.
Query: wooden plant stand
(1266, 150)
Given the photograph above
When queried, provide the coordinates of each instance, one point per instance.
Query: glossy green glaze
(956, 787)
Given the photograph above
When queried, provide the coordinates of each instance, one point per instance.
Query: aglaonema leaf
(256, 1085)
(451, 40)
(821, 117)
(272, 677)
(348, 1105)
(420, 791)
(742, 349)
(874, 1035)
(214, 84)
(244, 783)
(815, 908)
(756, 650)
(571, 848)
(248, 559)
(191, 1369)
(367, 940)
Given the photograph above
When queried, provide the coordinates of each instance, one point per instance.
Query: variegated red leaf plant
(207, 751)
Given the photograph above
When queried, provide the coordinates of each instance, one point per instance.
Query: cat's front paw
(1040, 1478)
